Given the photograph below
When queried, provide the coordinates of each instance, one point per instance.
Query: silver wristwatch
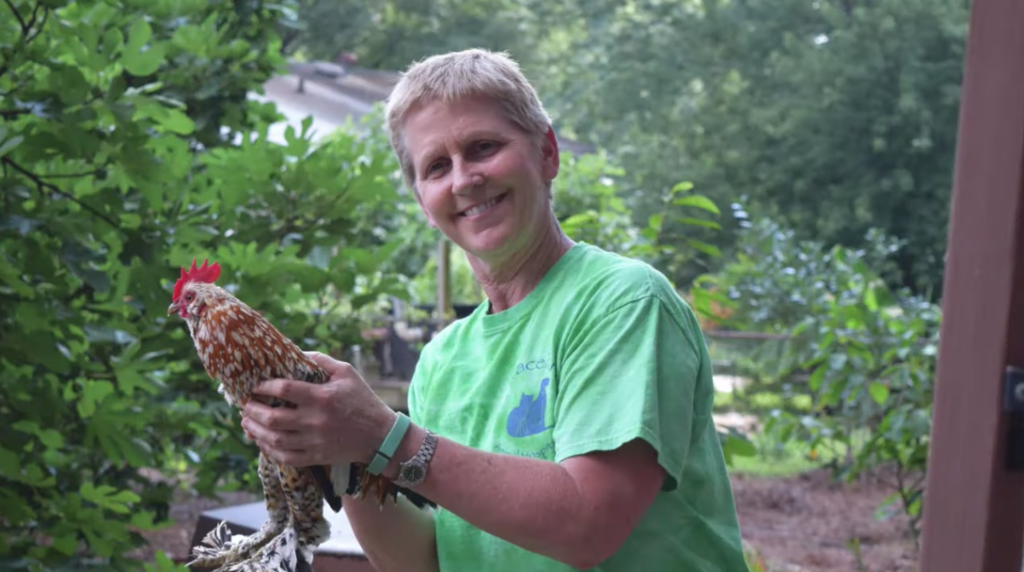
(413, 471)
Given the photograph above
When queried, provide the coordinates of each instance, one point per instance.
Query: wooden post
(974, 508)
(444, 282)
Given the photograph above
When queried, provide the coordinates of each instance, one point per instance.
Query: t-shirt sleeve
(420, 378)
(630, 373)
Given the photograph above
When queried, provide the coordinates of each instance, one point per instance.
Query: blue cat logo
(528, 418)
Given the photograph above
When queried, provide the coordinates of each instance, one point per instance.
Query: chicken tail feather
(323, 479)
(384, 488)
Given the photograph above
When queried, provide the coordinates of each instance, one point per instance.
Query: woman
(565, 424)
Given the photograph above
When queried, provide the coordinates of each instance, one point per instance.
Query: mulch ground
(806, 523)
(797, 524)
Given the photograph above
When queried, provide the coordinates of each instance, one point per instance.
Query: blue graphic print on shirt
(528, 417)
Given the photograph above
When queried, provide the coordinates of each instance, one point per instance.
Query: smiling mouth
(483, 207)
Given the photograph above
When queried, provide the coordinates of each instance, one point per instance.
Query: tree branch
(94, 173)
(32, 23)
(42, 184)
(21, 21)
(26, 27)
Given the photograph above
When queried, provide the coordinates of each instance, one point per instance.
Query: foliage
(872, 365)
(832, 117)
(128, 148)
(775, 280)
(864, 352)
(463, 283)
(590, 205)
(593, 205)
(391, 34)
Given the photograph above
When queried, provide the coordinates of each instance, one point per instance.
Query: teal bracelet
(391, 442)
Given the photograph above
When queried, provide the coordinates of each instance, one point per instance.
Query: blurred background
(787, 164)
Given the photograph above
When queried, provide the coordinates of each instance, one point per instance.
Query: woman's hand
(341, 421)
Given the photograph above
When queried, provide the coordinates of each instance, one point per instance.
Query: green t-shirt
(602, 352)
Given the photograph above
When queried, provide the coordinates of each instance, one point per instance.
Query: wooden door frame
(974, 508)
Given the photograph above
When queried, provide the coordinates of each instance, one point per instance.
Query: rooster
(240, 349)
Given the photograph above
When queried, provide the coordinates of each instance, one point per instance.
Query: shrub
(864, 352)
(128, 147)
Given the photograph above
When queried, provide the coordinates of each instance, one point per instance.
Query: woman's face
(481, 180)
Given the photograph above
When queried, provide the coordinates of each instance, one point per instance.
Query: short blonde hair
(455, 75)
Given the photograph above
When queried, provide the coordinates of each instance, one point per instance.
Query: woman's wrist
(406, 450)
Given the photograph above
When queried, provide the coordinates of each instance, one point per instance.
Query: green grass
(789, 460)
(757, 402)
(775, 459)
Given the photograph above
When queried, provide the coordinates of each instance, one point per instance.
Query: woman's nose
(465, 178)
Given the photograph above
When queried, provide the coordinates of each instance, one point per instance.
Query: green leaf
(143, 520)
(655, 221)
(817, 377)
(879, 392)
(163, 563)
(130, 220)
(699, 222)
(10, 276)
(108, 497)
(735, 444)
(138, 58)
(139, 33)
(143, 63)
(51, 438)
(192, 38)
(682, 187)
(66, 543)
(113, 40)
(870, 299)
(15, 508)
(178, 122)
(93, 392)
(697, 201)
(10, 144)
(704, 247)
(129, 379)
(26, 426)
(9, 463)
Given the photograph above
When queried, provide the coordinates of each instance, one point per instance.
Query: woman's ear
(550, 154)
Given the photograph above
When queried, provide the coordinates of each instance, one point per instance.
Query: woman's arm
(578, 512)
(399, 538)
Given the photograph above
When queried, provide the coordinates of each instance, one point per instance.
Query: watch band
(413, 471)
(391, 442)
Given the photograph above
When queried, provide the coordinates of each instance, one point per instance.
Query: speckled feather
(241, 349)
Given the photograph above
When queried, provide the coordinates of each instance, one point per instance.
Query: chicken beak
(172, 308)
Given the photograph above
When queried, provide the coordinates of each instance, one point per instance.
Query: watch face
(413, 473)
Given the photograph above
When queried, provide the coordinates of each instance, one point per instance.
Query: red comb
(205, 273)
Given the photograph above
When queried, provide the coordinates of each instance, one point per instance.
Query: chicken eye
(189, 297)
